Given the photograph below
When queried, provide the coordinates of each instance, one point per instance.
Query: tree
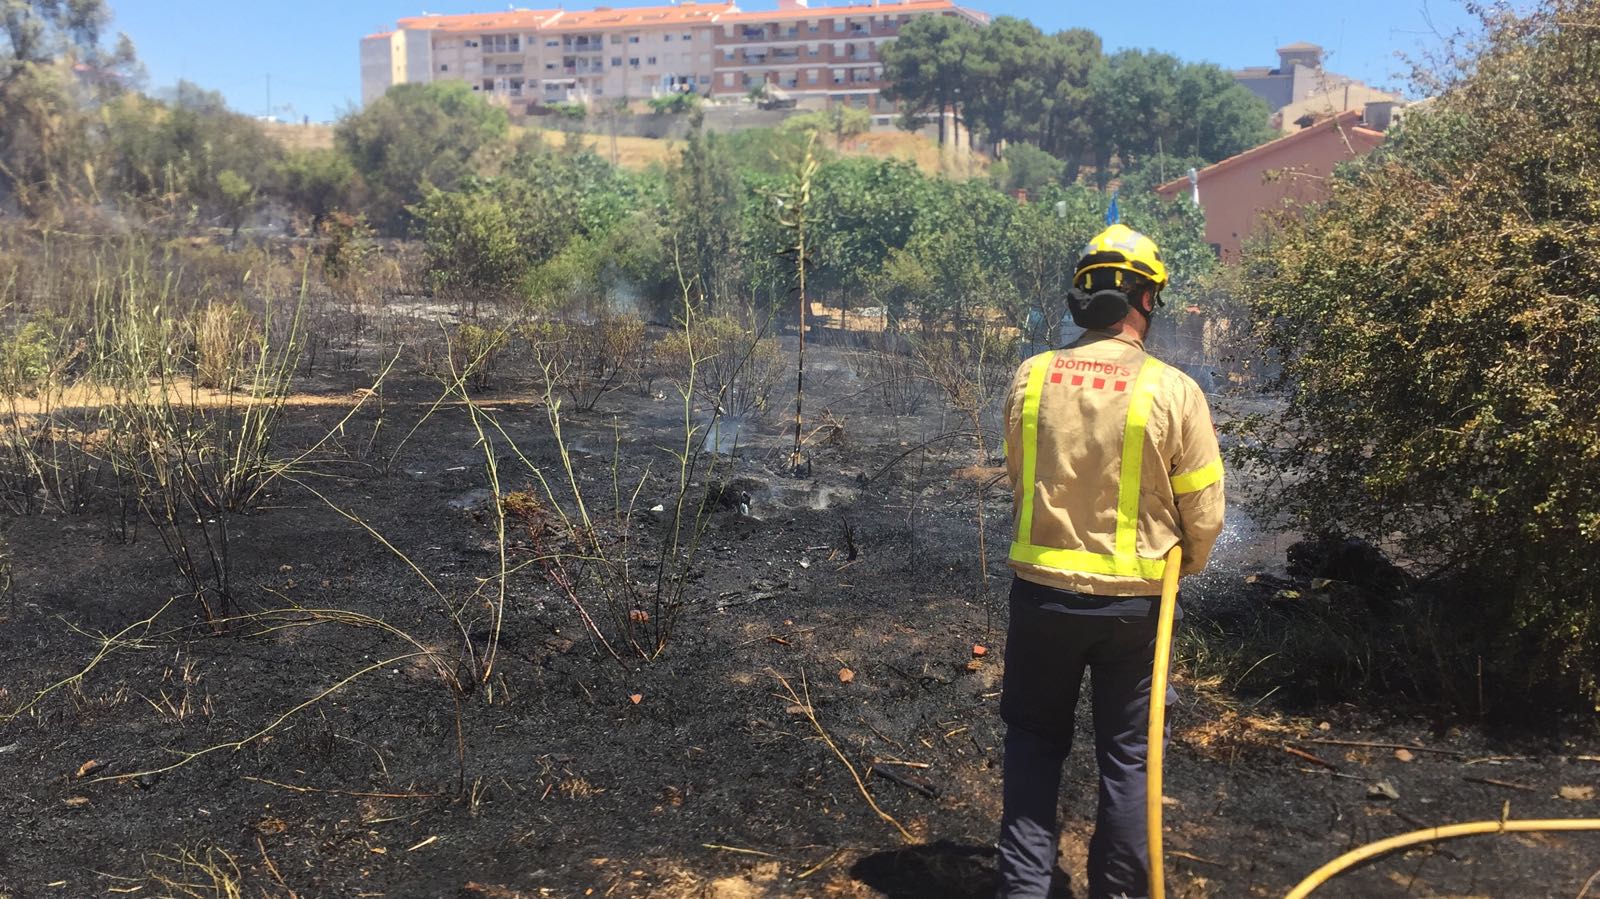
(1145, 104)
(414, 136)
(1028, 168)
(470, 242)
(840, 121)
(926, 67)
(1435, 323)
(169, 157)
(316, 182)
(864, 210)
(705, 216)
(53, 72)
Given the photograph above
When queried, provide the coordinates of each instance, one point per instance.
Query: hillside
(638, 153)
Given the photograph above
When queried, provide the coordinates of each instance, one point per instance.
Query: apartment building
(524, 58)
(1300, 91)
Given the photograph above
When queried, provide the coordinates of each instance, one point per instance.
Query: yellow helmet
(1120, 249)
(1116, 260)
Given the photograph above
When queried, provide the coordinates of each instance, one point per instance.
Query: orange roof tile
(1350, 119)
(858, 9)
(643, 16)
(521, 18)
(379, 36)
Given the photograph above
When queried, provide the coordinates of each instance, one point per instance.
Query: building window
(705, 79)
(444, 67)
(812, 77)
(650, 60)
(616, 62)
(633, 39)
(727, 79)
(666, 38)
(616, 39)
(633, 61)
(552, 43)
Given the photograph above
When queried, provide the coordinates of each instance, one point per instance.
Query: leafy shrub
(470, 242)
(674, 104)
(28, 357)
(734, 367)
(474, 350)
(1436, 324)
(588, 360)
(347, 250)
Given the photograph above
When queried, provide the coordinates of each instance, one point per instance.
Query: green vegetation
(1436, 323)
(1060, 93)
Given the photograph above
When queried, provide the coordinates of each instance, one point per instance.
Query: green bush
(470, 241)
(675, 104)
(1436, 324)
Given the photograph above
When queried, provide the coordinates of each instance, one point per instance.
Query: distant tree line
(1060, 93)
(501, 211)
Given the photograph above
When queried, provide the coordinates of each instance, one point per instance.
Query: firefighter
(1113, 460)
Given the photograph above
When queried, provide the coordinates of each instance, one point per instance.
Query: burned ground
(695, 774)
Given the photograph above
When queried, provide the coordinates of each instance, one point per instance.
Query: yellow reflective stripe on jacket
(1199, 479)
(1124, 561)
(1144, 394)
(1030, 442)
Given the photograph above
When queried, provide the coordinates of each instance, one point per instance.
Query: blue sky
(309, 49)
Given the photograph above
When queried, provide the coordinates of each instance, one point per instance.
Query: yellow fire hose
(1157, 745)
(1158, 717)
(1429, 835)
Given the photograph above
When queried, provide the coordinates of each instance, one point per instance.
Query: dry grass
(300, 137)
(920, 149)
(638, 153)
(634, 153)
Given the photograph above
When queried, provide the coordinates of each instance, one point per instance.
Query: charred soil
(696, 773)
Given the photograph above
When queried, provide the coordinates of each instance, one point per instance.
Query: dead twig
(1194, 858)
(1588, 883)
(802, 700)
(1306, 756)
(357, 793)
(838, 852)
(273, 869)
(1500, 783)
(1361, 744)
(721, 848)
(925, 789)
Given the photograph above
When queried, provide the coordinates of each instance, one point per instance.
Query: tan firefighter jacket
(1113, 460)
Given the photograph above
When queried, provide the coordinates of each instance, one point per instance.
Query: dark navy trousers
(1048, 648)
